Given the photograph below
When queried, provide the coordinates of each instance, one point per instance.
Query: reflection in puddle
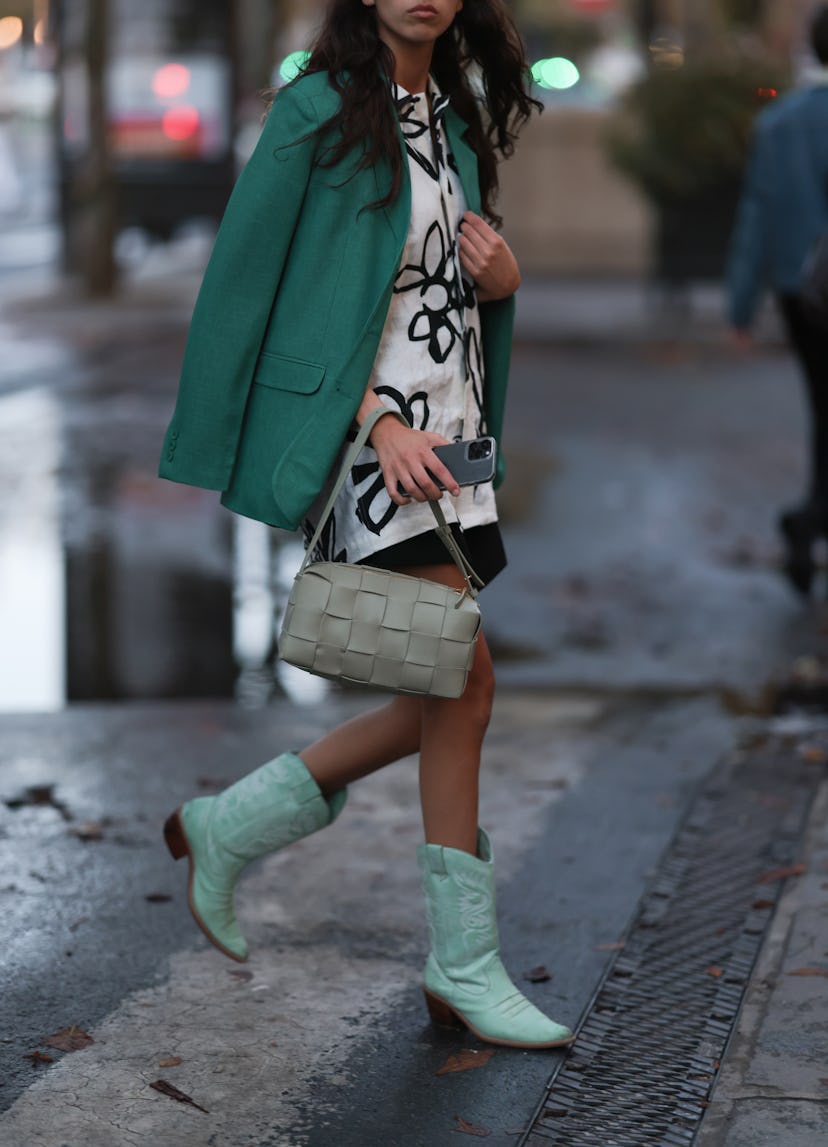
(23, 357)
(32, 596)
(301, 687)
(265, 564)
(115, 586)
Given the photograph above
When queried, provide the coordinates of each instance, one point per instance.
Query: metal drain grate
(647, 1054)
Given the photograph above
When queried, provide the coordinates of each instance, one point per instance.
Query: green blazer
(290, 313)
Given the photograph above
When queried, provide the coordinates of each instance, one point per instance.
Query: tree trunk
(93, 198)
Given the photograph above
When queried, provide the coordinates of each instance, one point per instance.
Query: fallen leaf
(809, 972)
(172, 1091)
(761, 904)
(173, 1061)
(825, 1081)
(39, 1057)
(245, 976)
(81, 920)
(615, 946)
(814, 754)
(537, 975)
(782, 873)
(714, 971)
(555, 1112)
(39, 795)
(769, 800)
(465, 1061)
(467, 1128)
(70, 1039)
(158, 897)
(89, 831)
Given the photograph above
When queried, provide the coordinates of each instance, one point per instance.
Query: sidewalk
(773, 1087)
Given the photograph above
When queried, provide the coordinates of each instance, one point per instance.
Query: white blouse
(429, 364)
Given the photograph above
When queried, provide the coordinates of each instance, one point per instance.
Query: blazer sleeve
(236, 296)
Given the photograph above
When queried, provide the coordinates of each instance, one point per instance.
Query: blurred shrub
(680, 133)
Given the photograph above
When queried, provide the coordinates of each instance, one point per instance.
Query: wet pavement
(635, 630)
(640, 505)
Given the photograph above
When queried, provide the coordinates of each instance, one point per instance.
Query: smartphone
(470, 462)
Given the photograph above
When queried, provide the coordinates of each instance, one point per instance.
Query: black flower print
(369, 471)
(325, 550)
(474, 360)
(436, 279)
(414, 128)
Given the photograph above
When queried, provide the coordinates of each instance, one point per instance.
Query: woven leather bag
(379, 628)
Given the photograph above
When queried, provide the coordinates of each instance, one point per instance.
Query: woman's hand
(406, 457)
(486, 256)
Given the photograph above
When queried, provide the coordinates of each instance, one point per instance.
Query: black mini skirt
(482, 545)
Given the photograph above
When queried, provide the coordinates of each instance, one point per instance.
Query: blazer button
(170, 455)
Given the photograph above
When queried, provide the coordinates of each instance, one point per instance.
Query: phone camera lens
(479, 450)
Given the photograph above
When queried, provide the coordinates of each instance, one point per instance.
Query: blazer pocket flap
(282, 373)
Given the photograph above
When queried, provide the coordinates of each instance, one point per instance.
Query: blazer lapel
(465, 157)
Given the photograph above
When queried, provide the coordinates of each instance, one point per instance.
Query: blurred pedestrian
(355, 270)
(783, 212)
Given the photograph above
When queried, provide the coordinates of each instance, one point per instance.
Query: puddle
(115, 586)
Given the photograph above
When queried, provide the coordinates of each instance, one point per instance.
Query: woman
(354, 269)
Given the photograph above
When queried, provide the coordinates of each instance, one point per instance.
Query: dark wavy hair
(483, 37)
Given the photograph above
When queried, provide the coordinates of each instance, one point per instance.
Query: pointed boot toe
(465, 981)
(499, 1014)
(531, 1029)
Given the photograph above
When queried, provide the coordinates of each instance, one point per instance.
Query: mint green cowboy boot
(276, 804)
(465, 981)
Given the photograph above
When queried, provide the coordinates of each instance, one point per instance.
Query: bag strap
(473, 582)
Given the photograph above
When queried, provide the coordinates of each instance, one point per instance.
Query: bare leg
(450, 744)
(364, 744)
(448, 733)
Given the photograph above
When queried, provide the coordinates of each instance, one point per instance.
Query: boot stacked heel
(174, 836)
(441, 1013)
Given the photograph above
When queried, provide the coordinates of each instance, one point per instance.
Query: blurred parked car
(170, 98)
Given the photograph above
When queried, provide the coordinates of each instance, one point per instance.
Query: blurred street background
(646, 641)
